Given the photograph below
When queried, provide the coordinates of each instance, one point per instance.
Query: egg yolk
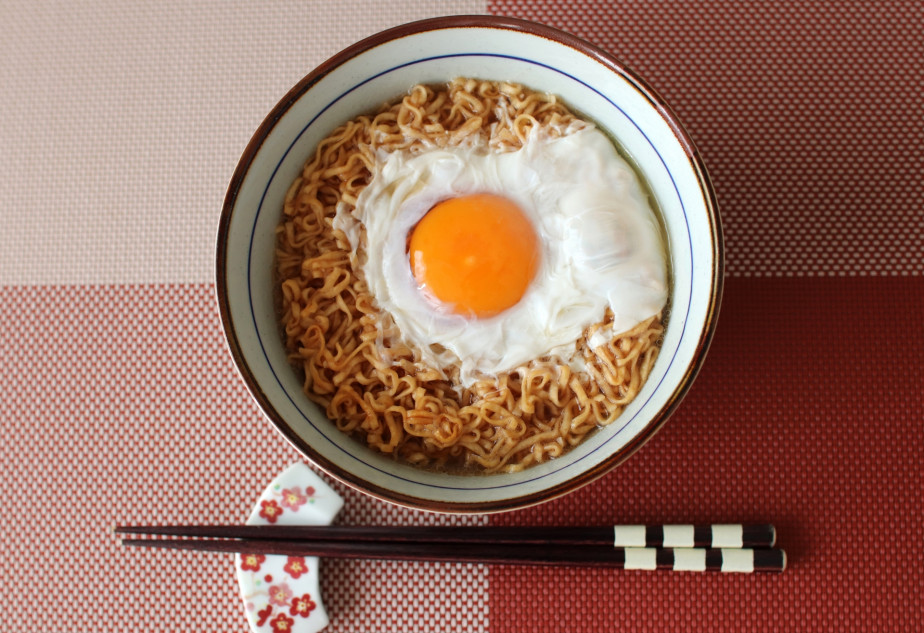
(477, 254)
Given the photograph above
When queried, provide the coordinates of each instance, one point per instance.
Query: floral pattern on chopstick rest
(281, 593)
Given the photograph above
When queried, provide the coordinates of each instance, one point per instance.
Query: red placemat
(808, 411)
(807, 415)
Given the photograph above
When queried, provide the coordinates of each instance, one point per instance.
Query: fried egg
(487, 260)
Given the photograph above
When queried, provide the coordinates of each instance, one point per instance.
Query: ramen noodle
(386, 391)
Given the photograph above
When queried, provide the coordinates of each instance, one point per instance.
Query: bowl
(379, 69)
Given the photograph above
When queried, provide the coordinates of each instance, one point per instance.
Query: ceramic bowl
(380, 69)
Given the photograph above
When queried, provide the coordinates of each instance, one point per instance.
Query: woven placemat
(122, 122)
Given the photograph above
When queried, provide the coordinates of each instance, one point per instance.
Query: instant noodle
(413, 397)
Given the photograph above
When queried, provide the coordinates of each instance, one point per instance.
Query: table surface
(120, 126)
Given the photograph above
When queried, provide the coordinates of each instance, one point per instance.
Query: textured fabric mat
(120, 125)
(794, 420)
(808, 115)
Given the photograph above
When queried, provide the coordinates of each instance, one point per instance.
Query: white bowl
(380, 69)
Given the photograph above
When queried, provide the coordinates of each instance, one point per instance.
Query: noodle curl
(355, 365)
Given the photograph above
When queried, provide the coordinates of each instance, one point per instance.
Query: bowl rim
(597, 54)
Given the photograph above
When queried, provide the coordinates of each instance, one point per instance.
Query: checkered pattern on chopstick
(716, 536)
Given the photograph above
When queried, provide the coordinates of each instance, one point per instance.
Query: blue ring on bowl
(251, 276)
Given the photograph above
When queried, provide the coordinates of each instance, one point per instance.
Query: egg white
(601, 247)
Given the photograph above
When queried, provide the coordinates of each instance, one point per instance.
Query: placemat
(120, 125)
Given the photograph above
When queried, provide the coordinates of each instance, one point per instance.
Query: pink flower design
(282, 623)
(252, 562)
(296, 566)
(280, 594)
(293, 498)
(270, 510)
(302, 606)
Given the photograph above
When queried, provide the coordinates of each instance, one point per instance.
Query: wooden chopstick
(630, 558)
(729, 548)
(706, 536)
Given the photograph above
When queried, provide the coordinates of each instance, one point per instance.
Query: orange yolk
(475, 253)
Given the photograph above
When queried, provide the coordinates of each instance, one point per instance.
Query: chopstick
(708, 536)
(542, 546)
(639, 558)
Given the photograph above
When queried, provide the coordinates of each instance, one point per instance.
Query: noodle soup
(472, 278)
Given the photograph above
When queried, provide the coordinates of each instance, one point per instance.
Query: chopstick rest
(280, 593)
